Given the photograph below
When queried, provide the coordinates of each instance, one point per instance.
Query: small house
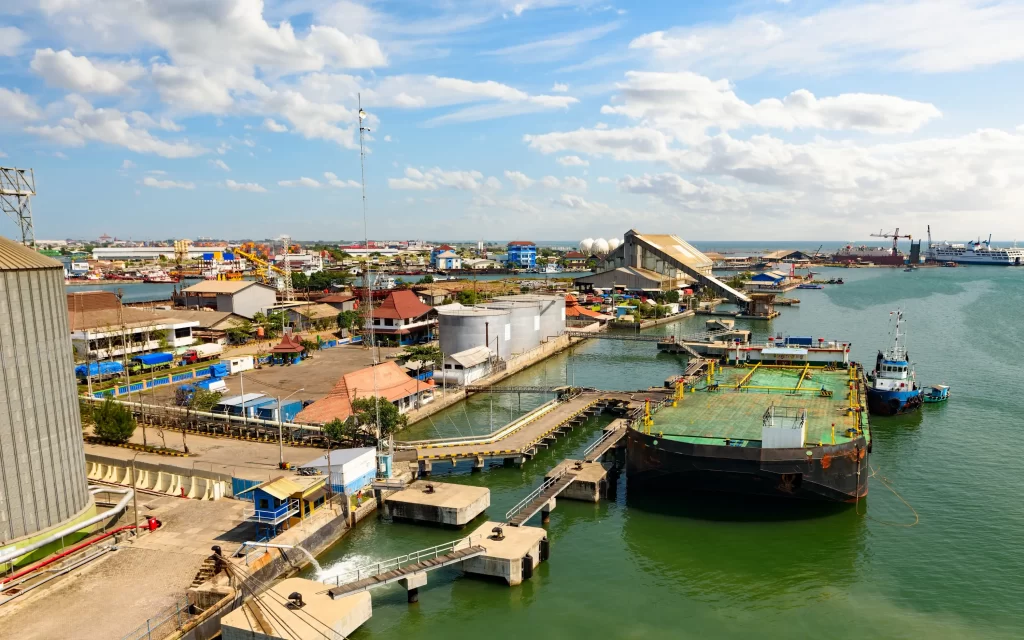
(351, 470)
(448, 260)
(466, 366)
(402, 319)
(283, 412)
(285, 502)
(288, 351)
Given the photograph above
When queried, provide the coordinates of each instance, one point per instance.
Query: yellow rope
(886, 484)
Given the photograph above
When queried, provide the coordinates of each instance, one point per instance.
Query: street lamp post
(280, 425)
(135, 495)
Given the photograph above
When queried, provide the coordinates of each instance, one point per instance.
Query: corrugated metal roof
(220, 286)
(15, 256)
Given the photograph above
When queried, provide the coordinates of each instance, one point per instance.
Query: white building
(448, 260)
(102, 329)
(466, 366)
(150, 253)
(352, 469)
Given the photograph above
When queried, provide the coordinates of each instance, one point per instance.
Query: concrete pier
(271, 617)
(512, 557)
(590, 480)
(439, 503)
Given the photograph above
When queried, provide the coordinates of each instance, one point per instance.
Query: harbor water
(726, 567)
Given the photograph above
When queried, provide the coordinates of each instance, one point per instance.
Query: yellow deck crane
(262, 266)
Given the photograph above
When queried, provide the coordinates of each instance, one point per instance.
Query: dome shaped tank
(613, 244)
(42, 475)
(586, 246)
(552, 312)
(525, 321)
(600, 247)
(469, 327)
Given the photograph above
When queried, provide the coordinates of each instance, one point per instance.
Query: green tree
(736, 282)
(241, 333)
(113, 422)
(427, 279)
(300, 281)
(309, 345)
(467, 297)
(672, 296)
(424, 353)
(365, 415)
(349, 321)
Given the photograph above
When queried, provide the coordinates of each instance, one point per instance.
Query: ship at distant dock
(977, 252)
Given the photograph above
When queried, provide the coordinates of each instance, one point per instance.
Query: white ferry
(978, 252)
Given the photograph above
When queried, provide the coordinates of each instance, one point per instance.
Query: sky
(532, 119)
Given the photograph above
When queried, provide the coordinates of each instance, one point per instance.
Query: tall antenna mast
(289, 290)
(368, 275)
(17, 186)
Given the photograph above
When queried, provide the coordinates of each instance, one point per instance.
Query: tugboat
(892, 386)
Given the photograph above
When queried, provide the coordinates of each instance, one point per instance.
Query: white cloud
(387, 138)
(223, 148)
(157, 172)
(244, 186)
(556, 46)
(572, 161)
(560, 87)
(2, 154)
(128, 164)
(167, 184)
(605, 180)
(11, 39)
(270, 125)
(144, 120)
(301, 182)
(334, 181)
(687, 105)
(911, 35)
(434, 178)
(60, 154)
(18, 106)
(191, 89)
(110, 126)
(77, 73)
(519, 179)
(220, 164)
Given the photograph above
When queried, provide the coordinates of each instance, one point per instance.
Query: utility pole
(135, 495)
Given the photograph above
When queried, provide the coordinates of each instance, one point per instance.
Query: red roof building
(573, 309)
(403, 319)
(388, 378)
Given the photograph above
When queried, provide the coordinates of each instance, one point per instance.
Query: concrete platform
(447, 504)
(512, 558)
(319, 617)
(588, 485)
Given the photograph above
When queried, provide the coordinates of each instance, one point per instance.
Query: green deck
(705, 417)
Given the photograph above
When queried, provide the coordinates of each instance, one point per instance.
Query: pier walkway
(520, 439)
(402, 567)
(539, 498)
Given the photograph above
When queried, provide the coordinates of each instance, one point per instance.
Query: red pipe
(151, 524)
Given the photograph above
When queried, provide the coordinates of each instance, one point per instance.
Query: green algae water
(728, 567)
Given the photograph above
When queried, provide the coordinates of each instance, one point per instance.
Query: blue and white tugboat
(892, 387)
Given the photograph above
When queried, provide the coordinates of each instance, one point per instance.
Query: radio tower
(17, 186)
(288, 291)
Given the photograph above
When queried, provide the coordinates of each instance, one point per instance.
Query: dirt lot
(316, 376)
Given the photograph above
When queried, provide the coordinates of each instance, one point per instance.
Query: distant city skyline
(756, 119)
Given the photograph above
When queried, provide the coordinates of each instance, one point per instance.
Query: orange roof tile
(403, 305)
(392, 383)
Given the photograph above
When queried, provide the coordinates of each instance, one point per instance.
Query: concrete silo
(42, 460)
(468, 327)
(525, 321)
(552, 312)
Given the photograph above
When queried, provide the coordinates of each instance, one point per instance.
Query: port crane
(895, 239)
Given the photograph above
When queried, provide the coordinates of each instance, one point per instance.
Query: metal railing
(167, 622)
(604, 437)
(271, 516)
(399, 562)
(547, 484)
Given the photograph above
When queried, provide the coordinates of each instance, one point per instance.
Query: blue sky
(540, 119)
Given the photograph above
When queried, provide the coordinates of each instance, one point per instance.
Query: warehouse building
(241, 297)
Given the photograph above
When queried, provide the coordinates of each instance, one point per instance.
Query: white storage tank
(42, 459)
(464, 328)
(525, 321)
(552, 312)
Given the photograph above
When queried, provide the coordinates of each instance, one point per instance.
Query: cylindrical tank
(600, 247)
(525, 323)
(42, 460)
(469, 327)
(552, 312)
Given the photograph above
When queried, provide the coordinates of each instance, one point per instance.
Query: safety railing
(167, 622)
(399, 562)
(547, 484)
(600, 441)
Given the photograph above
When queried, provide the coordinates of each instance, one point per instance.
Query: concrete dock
(278, 615)
(589, 480)
(511, 556)
(438, 503)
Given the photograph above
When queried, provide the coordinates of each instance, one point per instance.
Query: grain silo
(525, 321)
(552, 312)
(42, 460)
(468, 327)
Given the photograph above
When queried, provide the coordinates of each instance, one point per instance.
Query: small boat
(807, 285)
(909, 269)
(950, 264)
(892, 386)
(937, 393)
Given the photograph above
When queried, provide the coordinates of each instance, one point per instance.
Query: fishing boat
(937, 393)
(892, 386)
(808, 285)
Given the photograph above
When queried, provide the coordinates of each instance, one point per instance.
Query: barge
(768, 429)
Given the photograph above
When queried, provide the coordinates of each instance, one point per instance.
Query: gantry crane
(895, 239)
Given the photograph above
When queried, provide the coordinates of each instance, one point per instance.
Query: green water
(725, 567)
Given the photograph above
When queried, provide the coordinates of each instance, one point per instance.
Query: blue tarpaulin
(153, 359)
(207, 256)
(105, 368)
